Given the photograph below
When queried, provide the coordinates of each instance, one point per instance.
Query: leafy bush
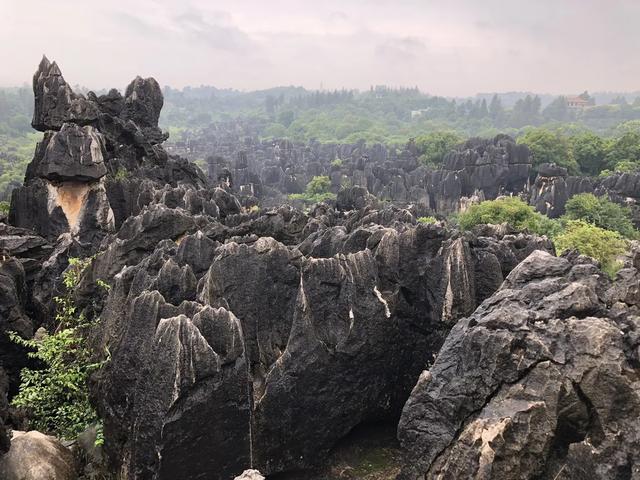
(433, 146)
(4, 207)
(598, 243)
(336, 163)
(427, 220)
(549, 147)
(602, 213)
(55, 396)
(318, 190)
(511, 210)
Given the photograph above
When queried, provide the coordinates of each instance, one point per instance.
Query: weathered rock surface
(73, 153)
(540, 382)
(35, 456)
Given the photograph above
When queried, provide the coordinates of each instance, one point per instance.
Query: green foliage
(510, 210)
(549, 147)
(318, 190)
(432, 147)
(624, 149)
(121, 174)
(427, 220)
(598, 243)
(4, 207)
(589, 151)
(55, 396)
(318, 185)
(602, 213)
(336, 163)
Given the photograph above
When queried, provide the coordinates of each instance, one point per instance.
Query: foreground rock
(35, 456)
(540, 382)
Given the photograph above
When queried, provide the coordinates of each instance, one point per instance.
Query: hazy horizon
(457, 49)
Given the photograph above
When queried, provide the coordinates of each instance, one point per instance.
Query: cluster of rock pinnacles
(259, 339)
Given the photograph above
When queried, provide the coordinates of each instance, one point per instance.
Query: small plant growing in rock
(427, 220)
(55, 396)
(121, 174)
(4, 207)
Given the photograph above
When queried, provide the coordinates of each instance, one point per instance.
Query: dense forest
(601, 137)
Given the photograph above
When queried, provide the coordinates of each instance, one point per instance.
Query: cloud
(214, 31)
(457, 47)
(405, 49)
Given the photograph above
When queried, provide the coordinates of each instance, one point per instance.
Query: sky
(444, 47)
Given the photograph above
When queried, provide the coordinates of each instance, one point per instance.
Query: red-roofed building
(577, 102)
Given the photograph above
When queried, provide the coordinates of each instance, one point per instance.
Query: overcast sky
(445, 47)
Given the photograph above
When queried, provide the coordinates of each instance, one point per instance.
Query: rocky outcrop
(538, 383)
(35, 456)
(73, 153)
(92, 149)
(177, 377)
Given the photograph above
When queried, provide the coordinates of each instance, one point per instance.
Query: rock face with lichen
(540, 382)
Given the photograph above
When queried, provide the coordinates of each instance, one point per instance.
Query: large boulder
(538, 383)
(35, 456)
(73, 153)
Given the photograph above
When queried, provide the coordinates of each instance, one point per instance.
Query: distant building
(419, 113)
(578, 102)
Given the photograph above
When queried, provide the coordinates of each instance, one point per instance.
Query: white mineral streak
(387, 312)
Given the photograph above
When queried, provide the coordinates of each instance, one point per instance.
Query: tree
(549, 147)
(286, 117)
(625, 148)
(557, 110)
(318, 185)
(526, 111)
(510, 210)
(601, 212)
(496, 110)
(589, 151)
(602, 245)
(433, 146)
(317, 190)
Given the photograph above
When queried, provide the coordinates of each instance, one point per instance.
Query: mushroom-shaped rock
(73, 153)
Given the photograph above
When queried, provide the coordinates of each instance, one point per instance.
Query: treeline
(581, 153)
(17, 138)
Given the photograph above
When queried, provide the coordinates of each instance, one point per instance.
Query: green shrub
(121, 174)
(55, 396)
(511, 210)
(549, 147)
(318, 190)
(427, 220)
(336, 163)
(432, 147)
(4, 207)
(602, 213)
(595, 242)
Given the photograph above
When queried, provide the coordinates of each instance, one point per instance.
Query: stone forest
(309, 310)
